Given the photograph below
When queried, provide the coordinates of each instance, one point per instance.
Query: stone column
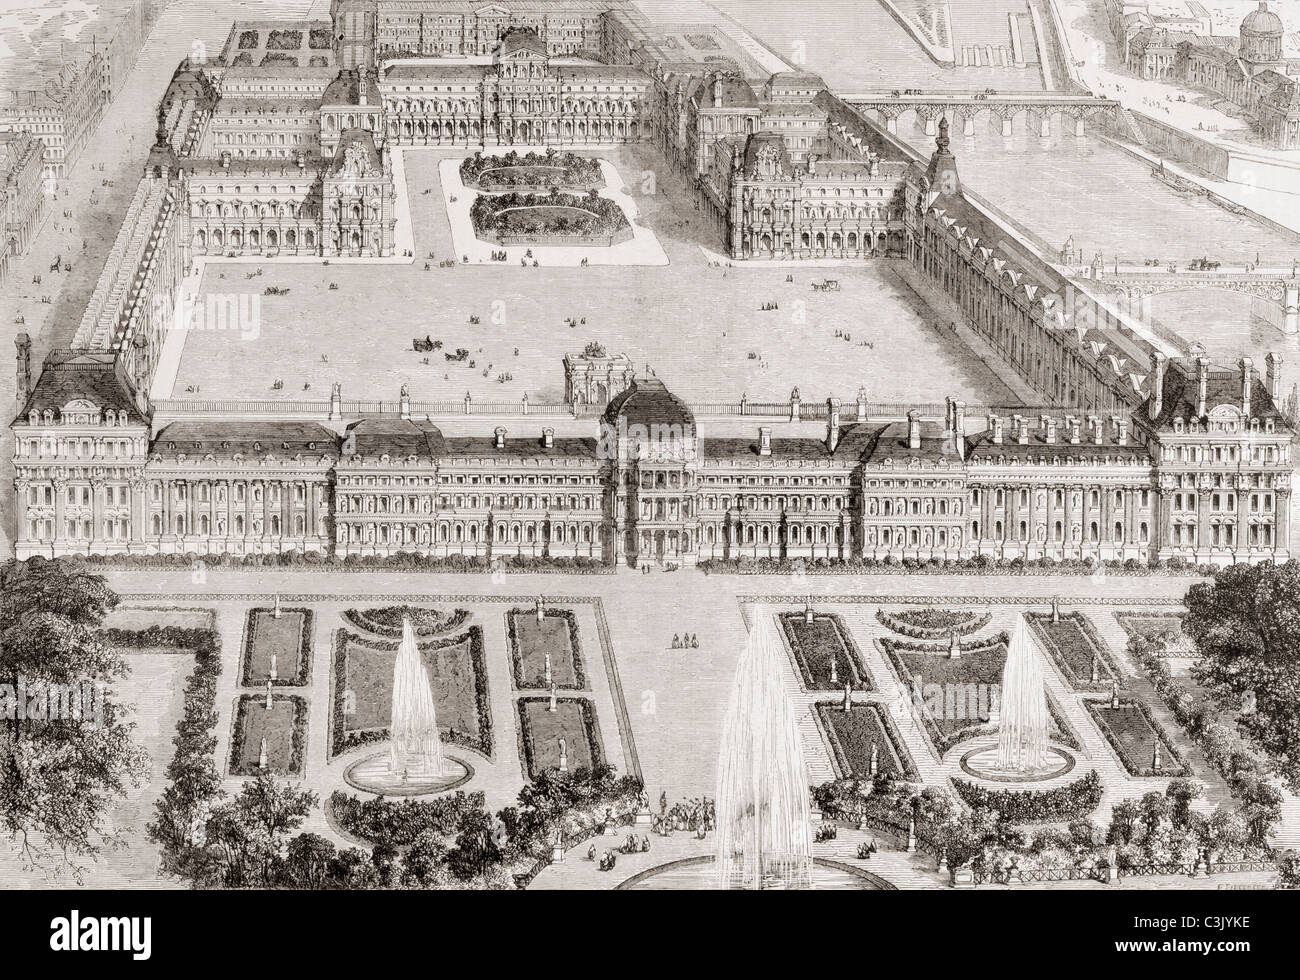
(60, 537)
(1242, 539)
(1282, 527)
(96, 508)
(139, 514)
(1202, 519)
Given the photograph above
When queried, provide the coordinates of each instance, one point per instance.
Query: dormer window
(257, 447)
(171, 445)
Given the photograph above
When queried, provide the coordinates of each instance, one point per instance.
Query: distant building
(22, 191)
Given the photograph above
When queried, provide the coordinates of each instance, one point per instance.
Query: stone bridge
(1275, 292)
(962, 110)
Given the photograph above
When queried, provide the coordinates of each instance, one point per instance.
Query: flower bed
(402, 561)
(933, 624)
(531, 641)
(851, 735)
(1069, 802)
(540, 731)
(957, 694)
(288, 40)
(1133, 733)
(363, 690)
(554, 217)
(289, 637)
(1165, 627)
(284, 726)
(531, 171)
(815, 645)
(387, 620)
(1074, 645)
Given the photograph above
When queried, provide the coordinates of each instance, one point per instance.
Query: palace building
(284, 145)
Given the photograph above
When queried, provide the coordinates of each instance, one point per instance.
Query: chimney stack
(548, 437)
(959, 427)
(1202, 385)
(24, 345)
(1098, 429)
(500, 437)
(832, 424)
(1245, 364)
(1076, 424)
(914, 429)
(995, 423)
(1157, 384)
(765, 440)
(1022, 429)
(1050, 425)
(1273, 377)
(1121, 429)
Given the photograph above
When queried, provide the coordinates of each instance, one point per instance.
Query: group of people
(687, 641)
(695, 815)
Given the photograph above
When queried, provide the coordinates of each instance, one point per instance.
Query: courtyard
(701, 327)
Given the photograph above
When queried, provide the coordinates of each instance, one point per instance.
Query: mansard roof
(891, 443)
(486, 447)
(1181, 390)
(225, 438)
(96, 377)
(397, 438)
(982, 449)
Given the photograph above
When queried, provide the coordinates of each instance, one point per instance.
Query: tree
(67, 755)
(309, 859)
(251, 832)
(1181, 792)
(423, 861)
(1246, 627)
(476, 851)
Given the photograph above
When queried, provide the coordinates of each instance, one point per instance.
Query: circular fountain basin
(372, 775)
(698, 874)
(982, 763)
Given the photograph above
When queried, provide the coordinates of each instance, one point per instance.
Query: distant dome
(1262, 23)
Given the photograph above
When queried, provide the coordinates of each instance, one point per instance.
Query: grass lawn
(1072, 645)
(574, 720)
(367, 684)
(852, 736)
(696, 325)
(288, 637)
(531, 641)
(1133, 734)
(284, 727)
(816, 644)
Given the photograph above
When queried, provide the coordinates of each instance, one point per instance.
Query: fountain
(1022, 735)
(764, 836)
(1020, 752)
(414, 763)
(414, 730)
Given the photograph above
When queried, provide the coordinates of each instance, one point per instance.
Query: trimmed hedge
(1072, 801)
(981, 564)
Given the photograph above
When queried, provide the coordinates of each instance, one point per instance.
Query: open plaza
(698, 323)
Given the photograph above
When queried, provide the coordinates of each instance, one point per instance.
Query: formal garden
(531, 171)
(560, 734)
(863, 741)
(277, 647)
(1137, 738)
(825, 653)
(933, 624)
(545, 651)
(554, 218)
(363, 689)
(1071, 641)
(270, 733)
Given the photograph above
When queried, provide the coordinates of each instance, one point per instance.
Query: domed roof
(1262, 22)
(727, 92)
(766, 138)
(648, 402)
